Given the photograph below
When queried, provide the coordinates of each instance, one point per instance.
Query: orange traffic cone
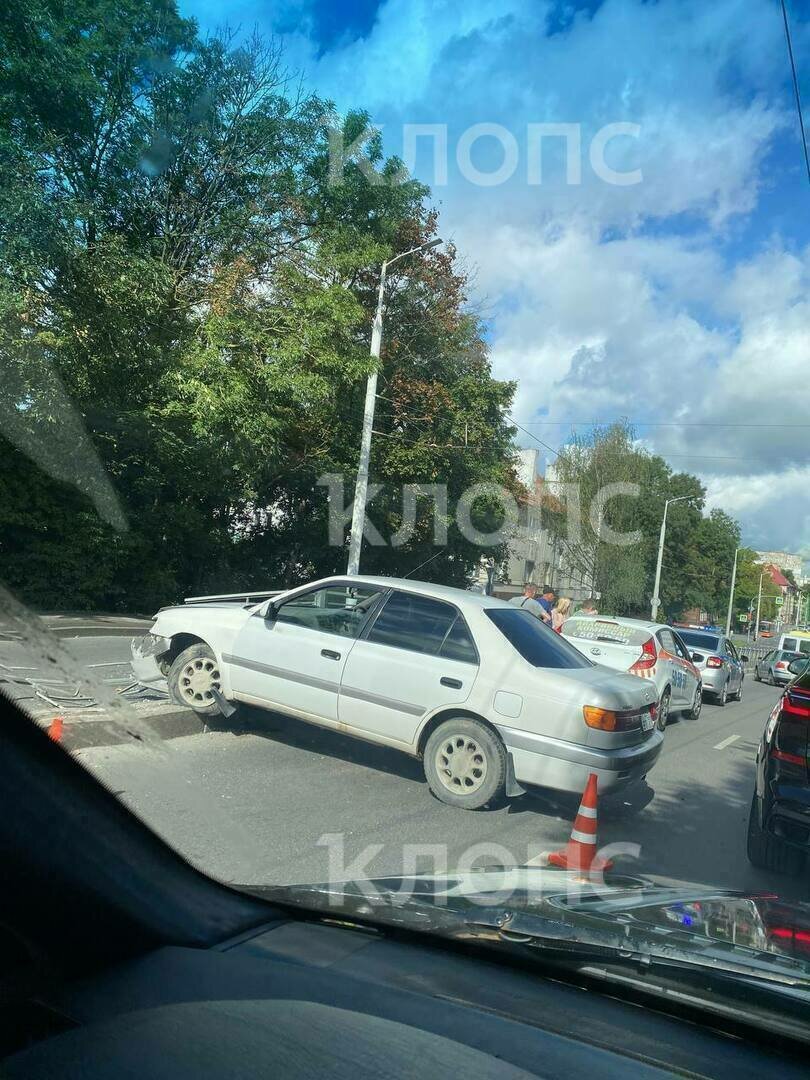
(580, 851)
(55, 728)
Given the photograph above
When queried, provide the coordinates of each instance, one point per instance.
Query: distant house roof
(778, 578)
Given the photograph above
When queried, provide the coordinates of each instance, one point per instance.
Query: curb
(84, 734)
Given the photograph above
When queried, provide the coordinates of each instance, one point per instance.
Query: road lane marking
(726, 742)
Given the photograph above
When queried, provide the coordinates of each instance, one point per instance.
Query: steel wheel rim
(198, 679)
(697, 705)
(461, 764)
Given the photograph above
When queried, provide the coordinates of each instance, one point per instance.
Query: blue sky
(680, 301)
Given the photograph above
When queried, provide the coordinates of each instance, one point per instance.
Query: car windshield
(536, 643)
(379, 383)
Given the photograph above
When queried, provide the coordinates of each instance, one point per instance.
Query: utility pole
(731, 594)
(656, 599)
(759, 605)
(361, 485)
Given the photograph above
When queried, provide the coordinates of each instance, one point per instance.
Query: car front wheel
(722, 697)
(663, 710)
(193, 677)
(465, 763)
(697, 704)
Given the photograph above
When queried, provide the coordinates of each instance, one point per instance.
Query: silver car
(773, 667)
(721, 667)
(482, 693)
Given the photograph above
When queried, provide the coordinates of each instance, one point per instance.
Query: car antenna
(421, 564)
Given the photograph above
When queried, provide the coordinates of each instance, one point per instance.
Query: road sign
(779, 600)
(743, 617)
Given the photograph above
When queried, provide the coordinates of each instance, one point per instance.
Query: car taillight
(610, 720)
(714, 661)
(647, 658)
(794, 707)
(780, 664)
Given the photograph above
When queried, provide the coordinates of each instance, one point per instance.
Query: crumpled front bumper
(146, 663)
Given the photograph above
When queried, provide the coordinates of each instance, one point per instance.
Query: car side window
(667, 640)
(680, 648)
(458, 643)
(334, 609)
(730, 649)
(768, 655)
(413, 622)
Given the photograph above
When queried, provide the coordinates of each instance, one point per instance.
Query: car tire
(722, 697)
(697, 704)
(737, 695)
(757, 676)
(192, 676)
(770, 852)
(477, 774)
(663, 710)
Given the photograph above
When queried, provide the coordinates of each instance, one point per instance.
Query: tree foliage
(610, 533)
(185, 304)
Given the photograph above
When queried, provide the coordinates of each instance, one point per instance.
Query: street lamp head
(432, 244)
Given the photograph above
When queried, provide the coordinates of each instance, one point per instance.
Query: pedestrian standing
(528, 601)
(588, 607)
(560, 612)
(545, 602)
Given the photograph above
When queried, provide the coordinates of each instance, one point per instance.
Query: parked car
(721, 667)
(779, 821)
(652, 651)
(480, 690)
(773, 667)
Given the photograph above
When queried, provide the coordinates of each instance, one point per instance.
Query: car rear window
(605, 630)
(535, 642)
(700, 641)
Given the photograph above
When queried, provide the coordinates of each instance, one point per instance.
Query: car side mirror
(744, 658)
(796, 667)
(694, 658)
(270, 612)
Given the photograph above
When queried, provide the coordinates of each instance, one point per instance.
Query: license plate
(647, 722)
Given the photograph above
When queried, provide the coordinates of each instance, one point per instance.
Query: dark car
(773, 667)
(779, 822)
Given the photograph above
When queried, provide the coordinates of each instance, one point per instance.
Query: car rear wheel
(737, 695)
(663, 709)
(465, 763)
(770, 852)
(193, 677)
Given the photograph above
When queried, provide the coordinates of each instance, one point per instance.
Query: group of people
(548, 608)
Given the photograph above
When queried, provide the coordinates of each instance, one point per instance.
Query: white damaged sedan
(484, 694)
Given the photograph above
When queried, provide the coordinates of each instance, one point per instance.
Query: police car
(651, 650)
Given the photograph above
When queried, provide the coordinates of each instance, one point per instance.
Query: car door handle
(455, 684)
(330, 654)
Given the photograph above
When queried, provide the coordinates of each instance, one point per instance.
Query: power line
(796, 88)
(532, 435)
(655, 423)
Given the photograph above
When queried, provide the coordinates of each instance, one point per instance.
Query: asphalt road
(283, 802)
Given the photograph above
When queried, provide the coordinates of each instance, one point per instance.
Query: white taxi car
(652, 651)
(481, 691)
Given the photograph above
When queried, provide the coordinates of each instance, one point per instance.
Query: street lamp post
(361, 486)
(656, 599)
(731, 594)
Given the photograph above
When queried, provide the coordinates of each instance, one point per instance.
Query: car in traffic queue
(650, 650)
(774, 666)
(779, 819)
(721, 666)
(797, 641)
(486, 695)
